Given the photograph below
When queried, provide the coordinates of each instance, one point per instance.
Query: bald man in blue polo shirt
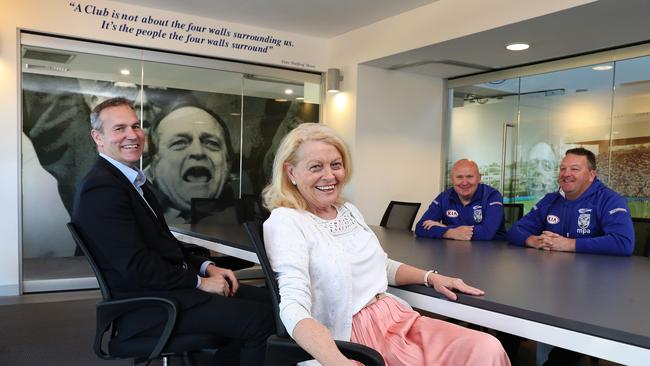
(470, 210)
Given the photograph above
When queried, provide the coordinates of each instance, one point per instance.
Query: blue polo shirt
(484, 212)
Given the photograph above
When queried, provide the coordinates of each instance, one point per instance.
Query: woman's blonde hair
(280, 192)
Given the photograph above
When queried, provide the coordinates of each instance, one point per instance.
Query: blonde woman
(333, 273)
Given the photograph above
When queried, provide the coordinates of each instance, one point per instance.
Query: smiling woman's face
(192, 156)
(318, 174)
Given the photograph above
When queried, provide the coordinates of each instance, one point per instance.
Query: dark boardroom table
(594, 304)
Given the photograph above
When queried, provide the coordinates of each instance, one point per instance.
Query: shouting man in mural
(583, 216)
(191, 157)
(470, 210)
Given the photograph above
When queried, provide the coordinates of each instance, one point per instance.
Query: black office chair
(280, 348)
(254, 210)
(400, 215)
(512, 212)
(218, 211)
(142, 348)
(642, 236)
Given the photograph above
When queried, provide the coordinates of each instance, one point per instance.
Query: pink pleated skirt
(404, 337)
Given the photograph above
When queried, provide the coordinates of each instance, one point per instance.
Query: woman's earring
(293, 182)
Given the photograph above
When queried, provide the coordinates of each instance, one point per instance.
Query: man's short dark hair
(95, 122)
(591, 158)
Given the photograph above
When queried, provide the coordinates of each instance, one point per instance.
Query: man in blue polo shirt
(469, 210)
(584, 216)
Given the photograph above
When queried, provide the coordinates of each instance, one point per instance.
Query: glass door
(558, 111)
(193, 148)
(271, 108)
(629, 153)
(483, 128)
(211, 125)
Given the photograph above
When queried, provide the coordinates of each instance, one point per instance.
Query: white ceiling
(588, 28)
(583, 29)
(318, 18)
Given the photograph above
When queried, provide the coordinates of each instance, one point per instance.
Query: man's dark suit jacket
(134, 248)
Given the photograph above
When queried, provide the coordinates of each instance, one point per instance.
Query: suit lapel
(156, 214)
(155, 205)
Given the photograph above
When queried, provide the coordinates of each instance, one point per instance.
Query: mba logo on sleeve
(451, 213)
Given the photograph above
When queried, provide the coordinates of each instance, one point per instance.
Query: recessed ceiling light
(517, 46)
(603, 67)
(125, 72)
(300, 98)
(281, 100)
(288, 91)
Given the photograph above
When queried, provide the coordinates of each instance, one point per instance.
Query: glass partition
(628, 156)
(602, 105)
(558, 111)
(482, 115)
(194, 136)
(211, 128)
(272, 108)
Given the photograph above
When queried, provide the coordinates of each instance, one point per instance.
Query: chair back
(254, 231)
(642, 236)
(512, 212)
(216, 211)
(254, 210)
(76, 236)
(400, 215)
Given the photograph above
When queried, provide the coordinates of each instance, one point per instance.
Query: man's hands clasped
(220, 281)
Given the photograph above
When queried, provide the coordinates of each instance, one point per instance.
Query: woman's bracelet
(426, 277)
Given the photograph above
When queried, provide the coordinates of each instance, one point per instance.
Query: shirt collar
(133, 174)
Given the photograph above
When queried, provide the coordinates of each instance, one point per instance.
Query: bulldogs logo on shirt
(452, 213)
(478, 214)
(552, 219)
(583, 221)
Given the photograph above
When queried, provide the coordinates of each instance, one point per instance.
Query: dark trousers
(245, 321)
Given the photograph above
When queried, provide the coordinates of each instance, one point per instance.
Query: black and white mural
(195, 143)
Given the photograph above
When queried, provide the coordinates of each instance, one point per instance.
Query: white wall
(397, 140)
(351, 113)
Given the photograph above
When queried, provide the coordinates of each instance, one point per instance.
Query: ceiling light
(517, 46)
(281, 100)
(300, 98)
(603, 67)
(125, 72)
(288, 91)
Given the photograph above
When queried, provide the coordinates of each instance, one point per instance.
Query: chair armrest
(285, 351)
(361, 353)
(109, 311)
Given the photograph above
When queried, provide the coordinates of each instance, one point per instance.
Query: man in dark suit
(125, 228)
